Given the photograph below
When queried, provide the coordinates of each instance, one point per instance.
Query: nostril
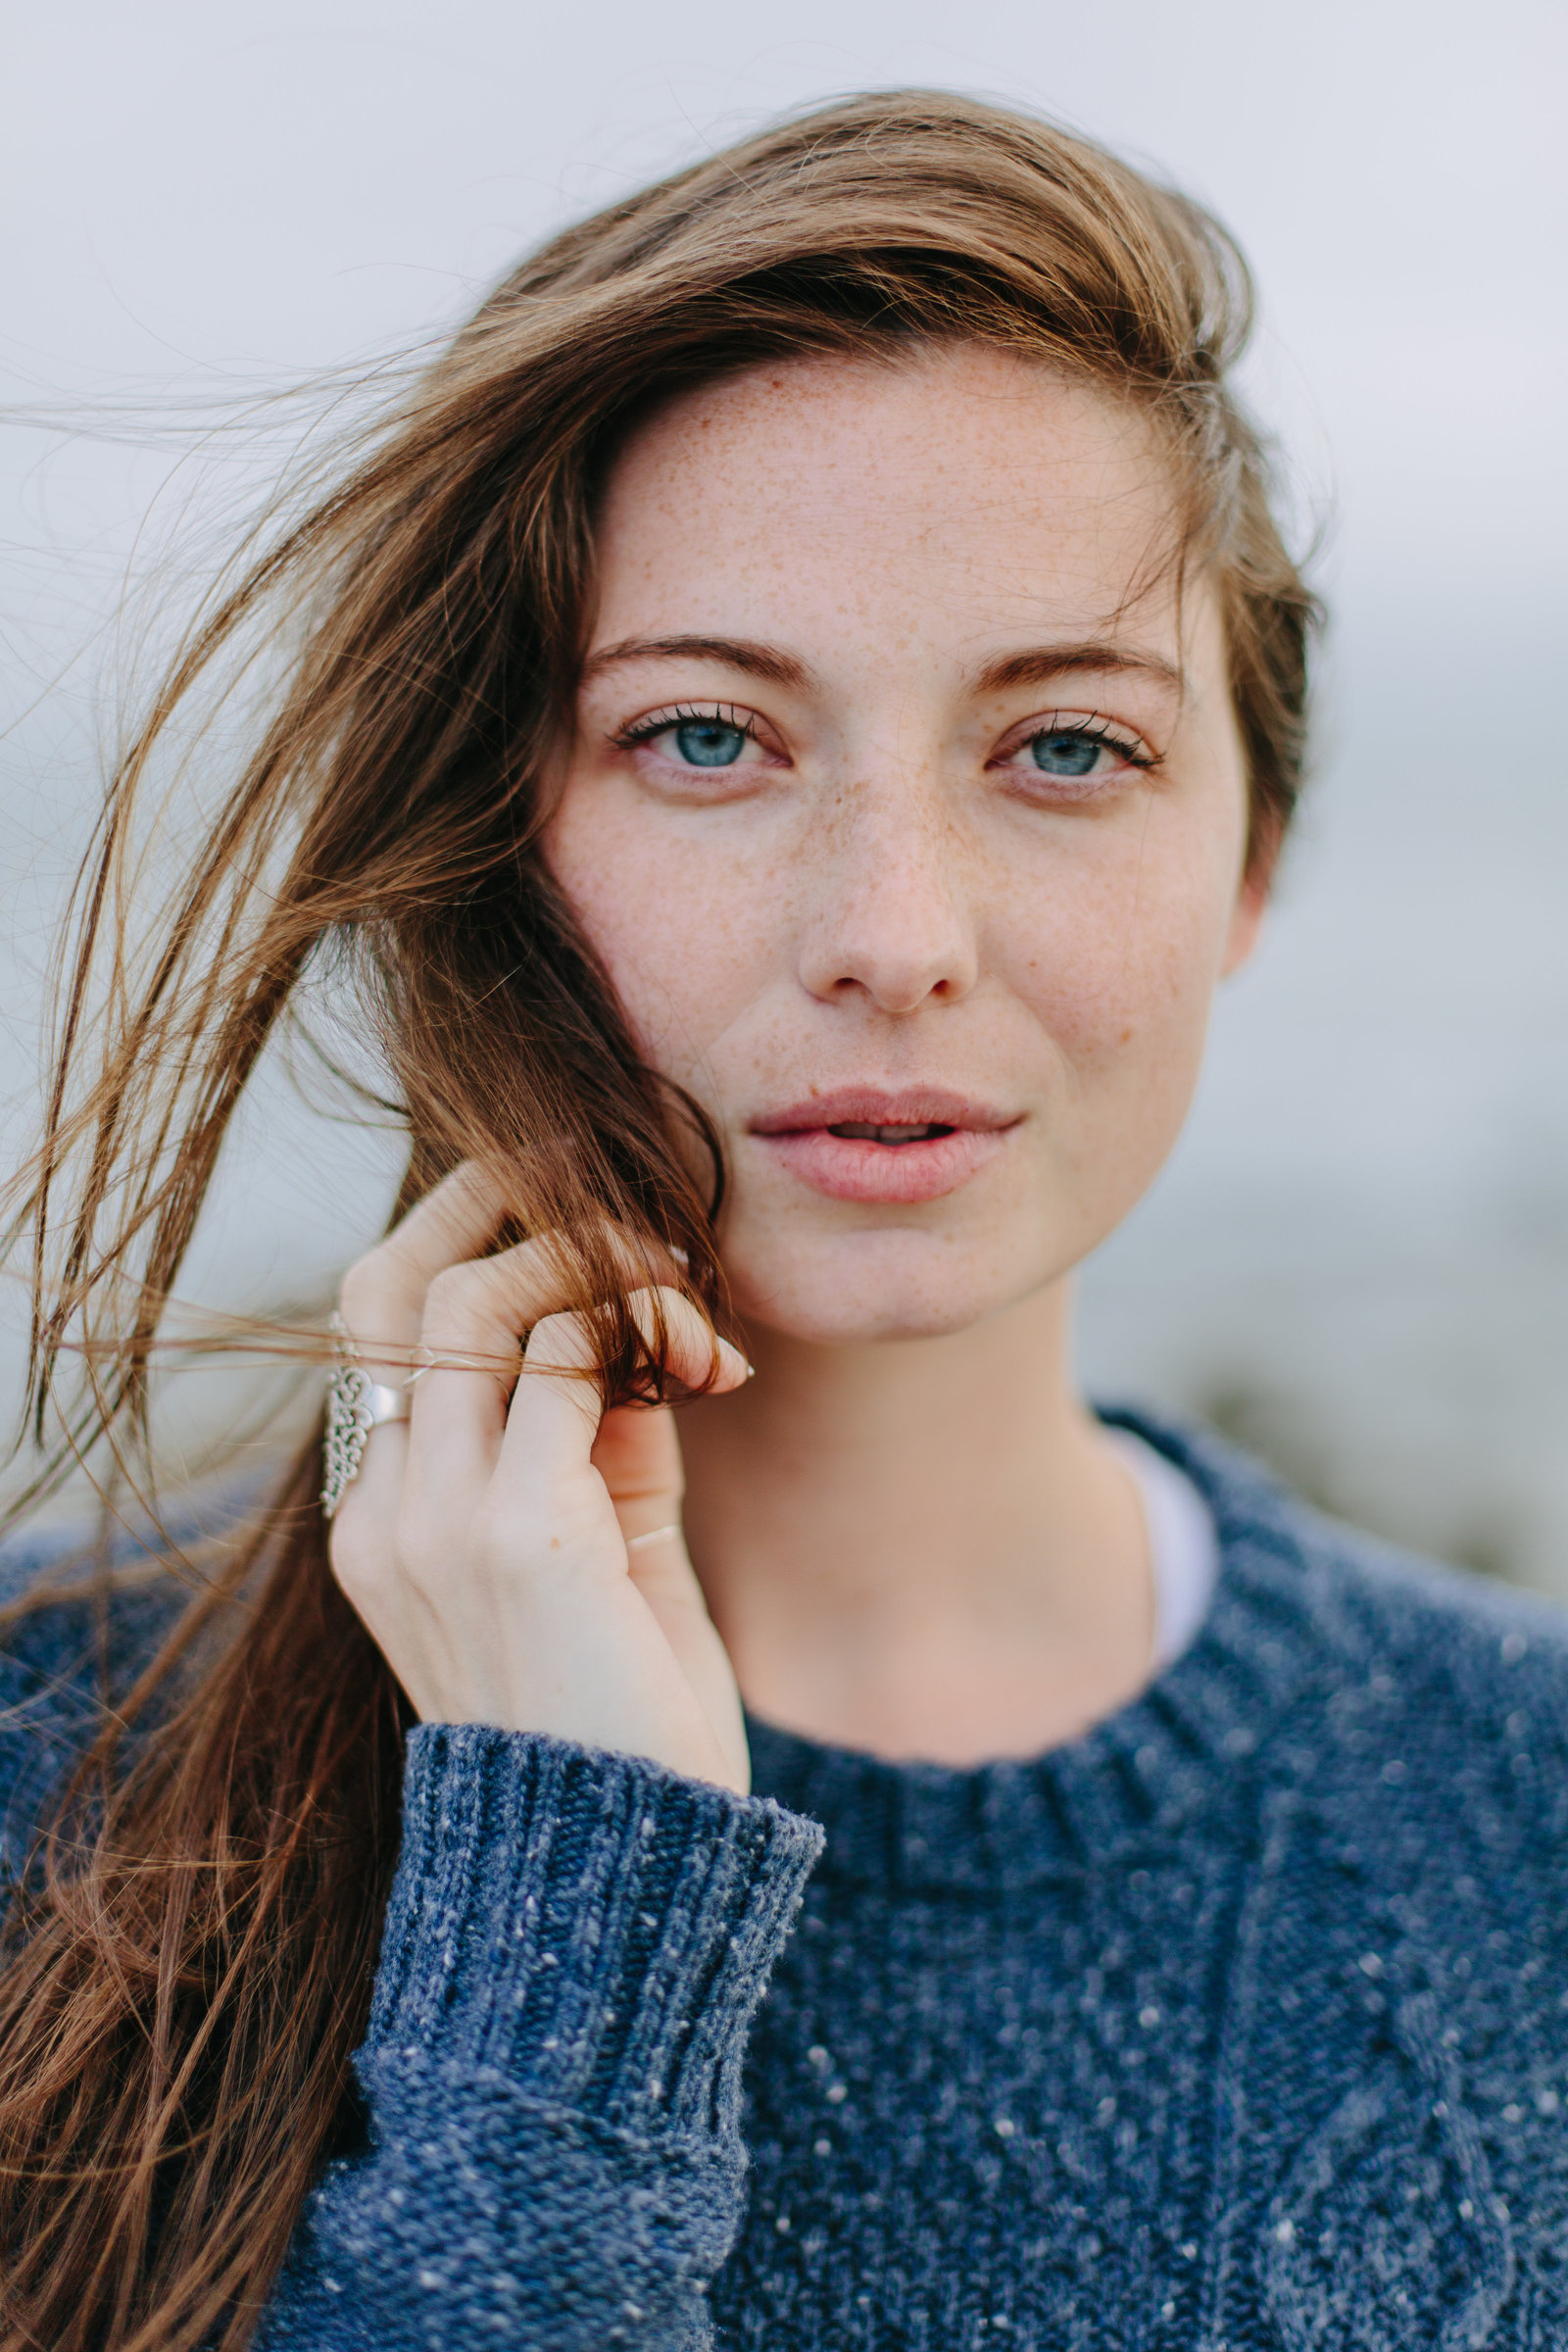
(897, 975)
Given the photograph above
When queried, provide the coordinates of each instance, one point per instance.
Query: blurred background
(1358, 1261)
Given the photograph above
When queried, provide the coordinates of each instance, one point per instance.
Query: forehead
(965, 485)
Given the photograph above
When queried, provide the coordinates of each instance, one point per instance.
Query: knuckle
(471, 1183)
(563, 1341)
(363, 1285)
(386, 1282)
(558, 1324)
(454, 1293)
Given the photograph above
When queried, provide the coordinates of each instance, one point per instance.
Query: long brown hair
(190, 1957)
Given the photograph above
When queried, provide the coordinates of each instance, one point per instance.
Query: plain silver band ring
(462, 1363)
(387, 1404)
(653, 1535)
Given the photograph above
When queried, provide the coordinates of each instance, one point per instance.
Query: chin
(877, 1286)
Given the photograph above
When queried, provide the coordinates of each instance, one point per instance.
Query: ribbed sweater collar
(1175, 1752)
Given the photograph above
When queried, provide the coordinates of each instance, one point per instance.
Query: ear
(1247, 915)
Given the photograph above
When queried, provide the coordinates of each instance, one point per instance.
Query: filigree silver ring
(355, 1406)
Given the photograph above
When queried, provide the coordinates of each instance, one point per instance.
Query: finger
(472, 1331)
(383, 1303)
(637, 1454)
(513, 1287)
(476, 1316)
(675, 1328)
(384, 1291)
(555, 1408)
(676, 1334)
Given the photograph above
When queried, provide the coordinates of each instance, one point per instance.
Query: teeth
(860, 1131)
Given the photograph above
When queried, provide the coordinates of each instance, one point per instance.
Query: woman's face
(906, 809)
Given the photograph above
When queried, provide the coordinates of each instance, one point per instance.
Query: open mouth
(860, 1131)
(842, 1148)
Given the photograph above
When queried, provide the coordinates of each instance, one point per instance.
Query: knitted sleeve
(573, 1951)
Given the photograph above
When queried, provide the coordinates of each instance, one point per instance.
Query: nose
(884, 899)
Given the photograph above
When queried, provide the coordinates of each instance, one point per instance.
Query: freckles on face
(907, 817)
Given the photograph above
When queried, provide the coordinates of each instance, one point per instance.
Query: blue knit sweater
(1241, 2022)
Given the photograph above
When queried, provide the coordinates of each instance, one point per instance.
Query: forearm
(573, 1951)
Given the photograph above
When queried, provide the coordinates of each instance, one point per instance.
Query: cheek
(682, 934)
(1120, 967)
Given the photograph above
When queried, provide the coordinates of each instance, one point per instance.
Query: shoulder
(1468, 1653)
(1366, 1610)
(1421, 1693)
(1444, 1698)
(1465, 1668)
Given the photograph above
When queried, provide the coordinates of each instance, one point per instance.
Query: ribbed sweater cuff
(592, 1927)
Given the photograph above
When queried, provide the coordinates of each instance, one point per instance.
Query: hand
(484, 1544)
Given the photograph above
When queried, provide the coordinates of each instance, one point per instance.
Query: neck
(921, 1546)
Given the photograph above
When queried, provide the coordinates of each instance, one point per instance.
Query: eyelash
(658, 722)
(1090, 727)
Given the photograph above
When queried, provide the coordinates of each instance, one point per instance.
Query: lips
(862, 1144)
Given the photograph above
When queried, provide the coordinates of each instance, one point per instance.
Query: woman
(788, 727)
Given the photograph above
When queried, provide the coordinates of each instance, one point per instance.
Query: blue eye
(1065, 755)
(709, 743)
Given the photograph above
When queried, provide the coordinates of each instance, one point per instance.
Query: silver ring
(653, 1535)
(355, 1406)
(462, 1363)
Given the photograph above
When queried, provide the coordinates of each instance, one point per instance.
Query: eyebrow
(767, 662)
(1037, 664)
(1034, 666)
